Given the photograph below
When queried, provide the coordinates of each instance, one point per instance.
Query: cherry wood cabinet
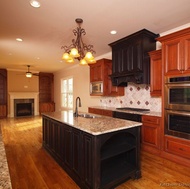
(96, 71)
(3, 93)
(176, 52)
(47, 107)
(151, 133)
(177, 146)
(100, 111)
(46, 92)
(155, 73)
(101, 71)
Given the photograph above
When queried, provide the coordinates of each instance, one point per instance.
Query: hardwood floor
(31, 167)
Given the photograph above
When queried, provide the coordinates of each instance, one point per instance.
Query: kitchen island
(97, 152)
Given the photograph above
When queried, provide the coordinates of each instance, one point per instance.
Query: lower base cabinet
(151, 134)
(177, 146)
(101, 112)
(3, 111)
(46, 107)
(94, 161)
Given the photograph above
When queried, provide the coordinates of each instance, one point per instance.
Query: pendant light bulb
(74, 52)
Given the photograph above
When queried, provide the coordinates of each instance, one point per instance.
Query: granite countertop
(5, 182)
(151, 113)
(96, 126)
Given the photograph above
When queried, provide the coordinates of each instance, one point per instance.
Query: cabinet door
(151, 131)
(3, 111)
(156, 73)
(127, 58)
(136, 56)
(46, 107)
(177, 146)
(186, 58)
(87, 162)
(3, 93)
(57, 139)
(113, 90)
(45, 87)
(76, 151)
(96, 72)
(68, 146)
(47, 133)
(172, 55)
(117, 59)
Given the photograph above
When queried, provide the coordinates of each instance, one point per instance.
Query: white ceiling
(44, 30)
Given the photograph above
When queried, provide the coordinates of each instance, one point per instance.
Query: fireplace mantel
(24, 95)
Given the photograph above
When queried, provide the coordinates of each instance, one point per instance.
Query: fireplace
(23, 107)
(24, 96)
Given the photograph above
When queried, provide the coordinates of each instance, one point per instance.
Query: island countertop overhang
(95, 126)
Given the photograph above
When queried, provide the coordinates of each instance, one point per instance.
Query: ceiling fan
(29, 74)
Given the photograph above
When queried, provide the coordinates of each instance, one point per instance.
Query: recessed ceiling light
(113, 32)
(34, 3)
(19, 39)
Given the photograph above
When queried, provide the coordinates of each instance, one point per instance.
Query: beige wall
(81, 80)
(17, 82)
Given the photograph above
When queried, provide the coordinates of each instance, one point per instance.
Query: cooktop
(133, 109)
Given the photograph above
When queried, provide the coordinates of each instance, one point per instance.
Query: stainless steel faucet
(76, 107)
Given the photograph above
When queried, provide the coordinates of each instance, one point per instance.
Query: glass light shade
(28, 74)
(74, 53)
(70, 60)
(92, 61)
(88, 55)
(83, 62)
(65, 56)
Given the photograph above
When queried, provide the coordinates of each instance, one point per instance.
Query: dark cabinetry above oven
(130, 59)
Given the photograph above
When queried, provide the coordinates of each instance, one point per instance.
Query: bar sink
(87, 115)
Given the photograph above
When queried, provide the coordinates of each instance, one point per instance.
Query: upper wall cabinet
(101, 71)
(130, 59)
(155, 73)
(3, 93)
(176, 52)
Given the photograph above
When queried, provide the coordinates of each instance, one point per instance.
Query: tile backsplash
(136, 96)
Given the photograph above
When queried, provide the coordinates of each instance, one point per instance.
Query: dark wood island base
(94, 161)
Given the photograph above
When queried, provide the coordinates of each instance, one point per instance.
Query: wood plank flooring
(31, 167)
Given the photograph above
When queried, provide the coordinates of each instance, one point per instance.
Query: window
(67, 93)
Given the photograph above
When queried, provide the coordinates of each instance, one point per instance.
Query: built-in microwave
(177, 93)
(96, 88)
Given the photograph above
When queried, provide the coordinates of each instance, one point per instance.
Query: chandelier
(78, 49)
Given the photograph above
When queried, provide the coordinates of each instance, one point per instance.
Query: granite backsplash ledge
(136, 96)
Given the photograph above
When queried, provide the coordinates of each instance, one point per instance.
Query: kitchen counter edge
(95, 126)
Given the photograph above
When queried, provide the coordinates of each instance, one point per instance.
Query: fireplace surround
(24, 96)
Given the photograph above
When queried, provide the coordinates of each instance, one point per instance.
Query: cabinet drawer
(174, 146)
(107, 113)
(95, 111)
(151, 119)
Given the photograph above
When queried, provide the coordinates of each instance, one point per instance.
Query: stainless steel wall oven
(177, 106)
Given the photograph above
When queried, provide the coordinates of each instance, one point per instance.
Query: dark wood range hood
(130, 59)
